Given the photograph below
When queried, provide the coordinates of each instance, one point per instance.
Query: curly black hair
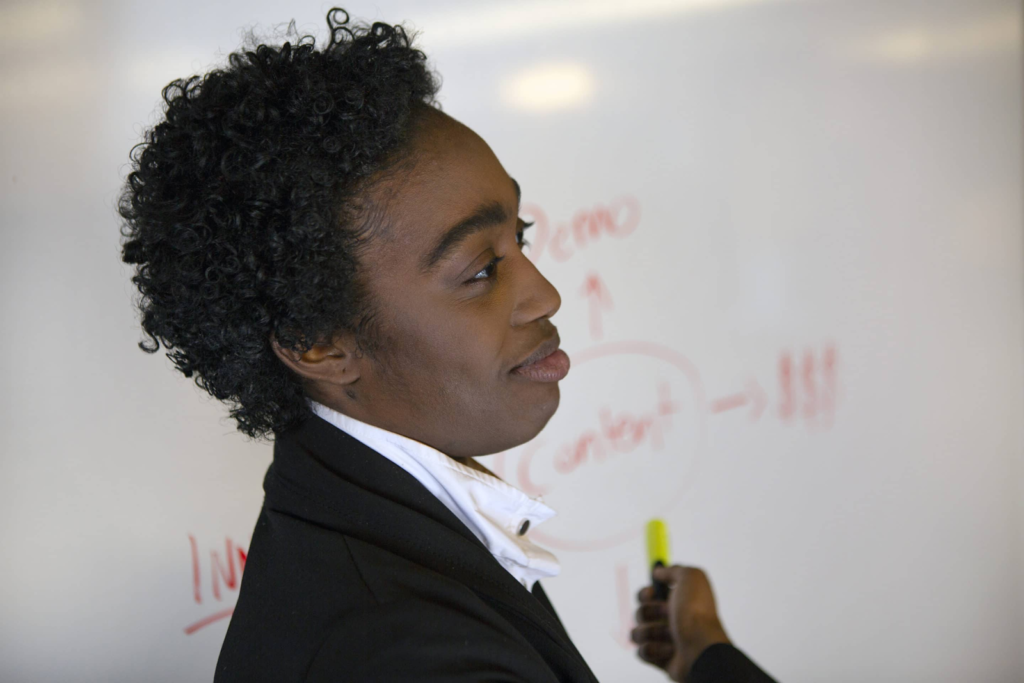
(242, 211)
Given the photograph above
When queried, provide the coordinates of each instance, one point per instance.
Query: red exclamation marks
(814, 396)
(810, 397)
(787, 398)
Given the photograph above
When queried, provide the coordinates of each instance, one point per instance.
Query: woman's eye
(490, 270)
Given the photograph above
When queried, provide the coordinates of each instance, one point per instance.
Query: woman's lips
(551, 368)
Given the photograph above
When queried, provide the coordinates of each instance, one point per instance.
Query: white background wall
(815, 180)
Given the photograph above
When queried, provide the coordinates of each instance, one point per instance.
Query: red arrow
(594, 289)
(754, 396)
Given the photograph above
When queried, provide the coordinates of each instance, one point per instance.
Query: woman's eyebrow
(484, 216)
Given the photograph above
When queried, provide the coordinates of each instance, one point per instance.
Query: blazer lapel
(322, 474)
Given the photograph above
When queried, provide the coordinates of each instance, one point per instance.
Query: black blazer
(357, 573)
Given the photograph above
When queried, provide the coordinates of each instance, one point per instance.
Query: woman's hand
(673, 633)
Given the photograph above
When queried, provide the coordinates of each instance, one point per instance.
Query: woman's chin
(542, 413)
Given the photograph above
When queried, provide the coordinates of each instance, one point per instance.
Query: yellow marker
(657, 554)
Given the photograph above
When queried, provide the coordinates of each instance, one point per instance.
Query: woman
(326, 251)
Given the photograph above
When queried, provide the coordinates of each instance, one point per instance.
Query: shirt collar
(492, 509)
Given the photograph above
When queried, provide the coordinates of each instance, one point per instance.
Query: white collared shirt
(492, 509)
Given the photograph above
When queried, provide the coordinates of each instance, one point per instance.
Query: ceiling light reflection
(549, 87)
(494, 22)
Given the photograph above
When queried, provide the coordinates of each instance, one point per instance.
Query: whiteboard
(787, 237)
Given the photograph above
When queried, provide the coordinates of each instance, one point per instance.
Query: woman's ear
(331, 363)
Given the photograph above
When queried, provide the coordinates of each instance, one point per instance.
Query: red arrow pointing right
(758, 399)
(753, 396)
